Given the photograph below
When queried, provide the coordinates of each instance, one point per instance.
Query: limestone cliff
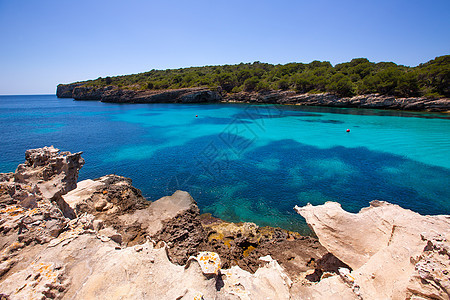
(66, 90)
(330, 100)
(116, 95)
(201, 95)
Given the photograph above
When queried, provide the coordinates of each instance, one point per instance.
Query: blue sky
(44, 42)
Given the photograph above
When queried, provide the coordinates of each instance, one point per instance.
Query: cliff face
(115, 95)
(66, 90)
(202, 95)
(331, 100)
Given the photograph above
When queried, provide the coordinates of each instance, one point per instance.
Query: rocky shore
(115, 95)
(203, 95)
(101, 239)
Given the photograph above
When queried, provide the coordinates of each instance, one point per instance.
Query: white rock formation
(394, 253)
(54, 172)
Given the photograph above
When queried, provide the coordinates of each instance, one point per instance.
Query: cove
(245, 162)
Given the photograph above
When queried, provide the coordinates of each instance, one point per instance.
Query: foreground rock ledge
(100, 239)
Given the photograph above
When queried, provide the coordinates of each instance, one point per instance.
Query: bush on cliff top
(359, 76)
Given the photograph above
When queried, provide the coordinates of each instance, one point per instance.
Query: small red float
(196, 116)
(348, 130)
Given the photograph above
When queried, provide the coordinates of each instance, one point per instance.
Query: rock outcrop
(66, 90)
(393, 253)
(46, 175)
(54, 173)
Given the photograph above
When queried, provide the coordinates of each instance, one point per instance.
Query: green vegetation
(356, 77)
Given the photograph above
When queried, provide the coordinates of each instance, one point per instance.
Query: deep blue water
(244, 162)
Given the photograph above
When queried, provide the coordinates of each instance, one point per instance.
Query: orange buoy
(348, 130)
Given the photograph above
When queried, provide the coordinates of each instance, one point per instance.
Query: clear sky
(47, 42)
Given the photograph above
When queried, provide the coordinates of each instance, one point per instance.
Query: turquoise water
(244, 162)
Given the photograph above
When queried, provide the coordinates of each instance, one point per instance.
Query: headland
(358, 83)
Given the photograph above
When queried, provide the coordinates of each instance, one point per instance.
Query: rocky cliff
(115, 95)
(331, 100)
(66, 90)
(202, 95)
(100, 239)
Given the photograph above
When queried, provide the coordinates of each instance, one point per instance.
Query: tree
(250, 84)
(340, 85)
(283, 84)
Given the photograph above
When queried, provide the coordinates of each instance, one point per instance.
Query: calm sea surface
(244, 162)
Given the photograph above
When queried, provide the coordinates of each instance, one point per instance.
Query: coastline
(113, 94)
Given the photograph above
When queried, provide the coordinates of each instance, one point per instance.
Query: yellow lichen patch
(218, 236)
(215, 236)
(266, 231)
(248, 250)
(227, 242)
(34, 211)
(40, 279)
(209, 262)
(12, 210)
(11, 248)
(46, 271)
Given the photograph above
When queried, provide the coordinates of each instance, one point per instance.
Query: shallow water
(244, 162)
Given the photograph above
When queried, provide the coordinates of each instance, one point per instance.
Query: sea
(243, 162)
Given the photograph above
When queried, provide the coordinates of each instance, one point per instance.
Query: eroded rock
(54, 173)
(243, 244)
(394, 252)
(209, 263)
(110, 195)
